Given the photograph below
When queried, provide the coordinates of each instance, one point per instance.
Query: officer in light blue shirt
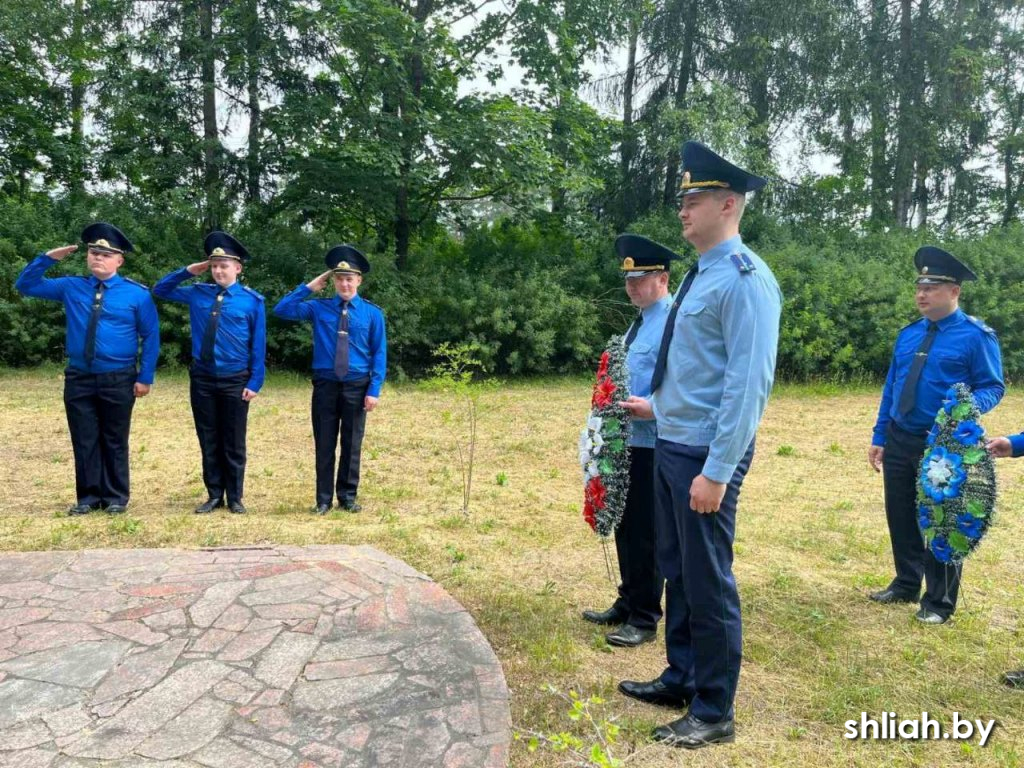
(107, 318)
(349, 365)
(645, 265)
(942, 348)
(710, 385)
(229, 342)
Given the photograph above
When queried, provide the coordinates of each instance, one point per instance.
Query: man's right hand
(58, 254)
(875, 454)
(198, 268)
(318, 284)
(638, 406)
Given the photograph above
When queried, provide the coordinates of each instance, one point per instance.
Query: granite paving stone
(320, 657)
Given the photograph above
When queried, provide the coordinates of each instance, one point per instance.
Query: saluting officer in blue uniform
(229, 344)
(349, 364)
(107, 316)
(715, 368)
(944, 347)
(645, 265)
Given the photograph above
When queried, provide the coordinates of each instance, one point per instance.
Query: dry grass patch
(811, 543)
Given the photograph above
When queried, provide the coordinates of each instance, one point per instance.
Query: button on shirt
(965, 351)
(721, 362)
(367, 355)
(241, 340)
(642, 355)
(128, 315)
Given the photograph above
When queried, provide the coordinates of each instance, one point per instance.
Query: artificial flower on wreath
(604, 443)
(956, 488)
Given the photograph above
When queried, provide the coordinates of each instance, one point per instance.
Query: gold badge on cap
(342, 265)
(218, 251)
(628, 263)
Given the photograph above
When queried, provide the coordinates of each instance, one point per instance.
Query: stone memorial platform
(278, 656)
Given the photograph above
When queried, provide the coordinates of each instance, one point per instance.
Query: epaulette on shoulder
(981, 324)
(257, 294)
(743, 263)
(375, 306)
(911, 324)
(136, 283)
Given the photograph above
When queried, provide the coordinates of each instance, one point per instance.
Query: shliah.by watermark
(923, 727)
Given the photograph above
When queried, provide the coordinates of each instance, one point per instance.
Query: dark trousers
(338, 406)
(642, 583)
(221, 417)
(99, 410)
(901, 467)
(703, 630)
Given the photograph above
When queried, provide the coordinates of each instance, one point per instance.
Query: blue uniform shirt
(642, 355)
(128, 315)
(965, 350)
(241, 341)
(721, 363)
(367, 341)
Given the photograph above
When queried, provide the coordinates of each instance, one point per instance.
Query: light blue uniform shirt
(721, 362)
(642, 355)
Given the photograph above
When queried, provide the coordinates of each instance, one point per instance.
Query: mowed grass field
(811, 544)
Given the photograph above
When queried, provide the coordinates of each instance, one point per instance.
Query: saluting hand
(141, 390)
(999, 447)
(60, 253)
(248, 395)
(875, 455)
(198, 268)
(318, 284)
(638, 406)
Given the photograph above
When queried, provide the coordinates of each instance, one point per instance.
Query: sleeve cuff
(878, 440)
(1017, 444)
(718, 471)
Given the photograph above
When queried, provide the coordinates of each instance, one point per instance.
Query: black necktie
(341, 348)
(670, 326)
(94, 321)
(210, 337)
(908, 397)
(634, 329)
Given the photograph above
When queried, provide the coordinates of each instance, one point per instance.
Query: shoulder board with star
(256, 294)
(136, 283)
(981, 324)
(743, 263)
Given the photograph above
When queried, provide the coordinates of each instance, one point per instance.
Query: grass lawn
(811, 543)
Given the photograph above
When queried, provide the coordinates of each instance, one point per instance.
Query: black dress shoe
(321, 509)
(351, 505)
(628, 636)
(654, 692)
(117, 509)
(208, 506)
(236, 508)
(691, 733)
(930, 617)
(81, 509)
(890, 596)
(613, 615)
(1014, 679)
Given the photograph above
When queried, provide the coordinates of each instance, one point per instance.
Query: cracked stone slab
(302, 657)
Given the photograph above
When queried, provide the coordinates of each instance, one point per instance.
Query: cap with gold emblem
(703, 171)
(641, 256)
(101, 236)
(936, 267)
(346, 258)
(221, 245)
